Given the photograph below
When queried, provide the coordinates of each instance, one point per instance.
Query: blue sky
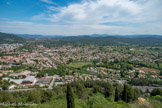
(81, 17)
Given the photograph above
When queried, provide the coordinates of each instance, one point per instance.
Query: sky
(81, 17)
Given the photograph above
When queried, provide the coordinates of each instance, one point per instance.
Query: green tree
(108, 90)
(98, 101)
(97, 88)
(129, 94)
(70, 97)
(80, 91)
(5, 87)
(136, 74)
(46, 95)
(34, 96)
(122, 73)
(70, 60)
(116, 94)
(6, 97)
(161, 72)
(156, 91)
(147, 90)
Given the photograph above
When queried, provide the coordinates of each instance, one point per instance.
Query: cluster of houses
(42, 58)
(64, 53)
(35, 59)
(9, 47)
(29, 81)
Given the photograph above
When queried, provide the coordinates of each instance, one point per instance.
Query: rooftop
(29, 78)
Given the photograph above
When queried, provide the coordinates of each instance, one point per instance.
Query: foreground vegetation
(88, 94)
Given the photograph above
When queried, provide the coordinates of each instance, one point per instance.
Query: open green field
(79, 64)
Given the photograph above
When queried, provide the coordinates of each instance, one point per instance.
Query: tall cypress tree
(129, 94)
(70, 97)
(116, 94)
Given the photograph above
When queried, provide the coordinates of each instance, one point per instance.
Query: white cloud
(41, 16)
(101, 11)
(98, 11)
(52, 8)
(48, 1)
(95, 17)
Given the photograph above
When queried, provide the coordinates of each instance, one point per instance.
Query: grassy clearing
(79, 64)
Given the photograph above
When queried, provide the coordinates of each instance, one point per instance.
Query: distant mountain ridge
(143, 41)
(10, 38)
(153, 40)
(28, 36)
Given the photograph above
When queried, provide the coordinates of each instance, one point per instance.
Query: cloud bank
(95, 16)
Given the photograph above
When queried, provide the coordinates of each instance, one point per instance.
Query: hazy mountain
(27, 36)
(154, 40)
(10, 38)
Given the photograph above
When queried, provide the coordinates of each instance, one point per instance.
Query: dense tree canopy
(70, 97)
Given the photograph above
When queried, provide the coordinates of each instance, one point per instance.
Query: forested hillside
(143, 41)
(10, 38)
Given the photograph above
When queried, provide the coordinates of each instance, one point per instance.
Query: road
(52, 83)
(144, 88)
(25, 89)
